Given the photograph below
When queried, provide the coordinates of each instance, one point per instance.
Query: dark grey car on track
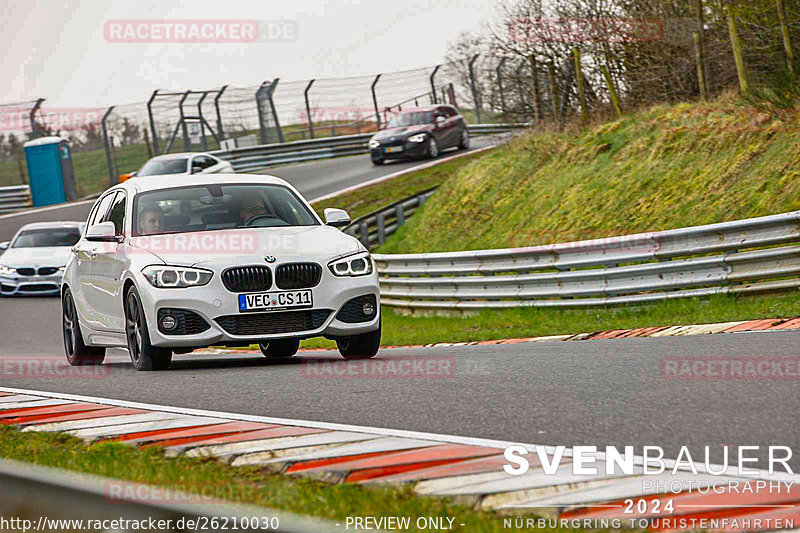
(419, 133)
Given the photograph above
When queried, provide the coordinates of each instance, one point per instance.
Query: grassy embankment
(666, 167)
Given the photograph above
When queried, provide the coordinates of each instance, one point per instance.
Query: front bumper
(218, 307)
(17, 284)
(409, 150)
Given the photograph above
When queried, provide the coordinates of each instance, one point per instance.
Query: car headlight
(172, 277)
(374, 144)
(6, 271)
(355, 265)
(418, 138)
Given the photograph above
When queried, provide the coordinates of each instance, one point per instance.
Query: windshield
(214, 207)
(41, 238)
(410, 118)
(155, 167)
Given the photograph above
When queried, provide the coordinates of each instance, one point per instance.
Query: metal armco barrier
(45, 495)
(725, 258)
(14, 198)
(373, 229)
(268, 155)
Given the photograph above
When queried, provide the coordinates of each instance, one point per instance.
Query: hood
(45, 256)
(250, 246)
(403, 131)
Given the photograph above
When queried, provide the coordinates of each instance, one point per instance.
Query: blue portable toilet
(50, 172)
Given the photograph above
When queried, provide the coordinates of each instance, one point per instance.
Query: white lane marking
(422, 166)
(386, 432)
(48, 208)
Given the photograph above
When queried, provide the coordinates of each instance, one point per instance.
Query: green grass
(665, 167)
(367, 199)
(403, 329)
(239, 484)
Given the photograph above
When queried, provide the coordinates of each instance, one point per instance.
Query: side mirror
(440, 120)
(4, 245)
(102, 232)
(338, 218)
(196, 169)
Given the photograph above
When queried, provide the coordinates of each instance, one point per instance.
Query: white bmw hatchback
(226, 260)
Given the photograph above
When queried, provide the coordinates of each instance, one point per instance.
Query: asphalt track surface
(603, 392)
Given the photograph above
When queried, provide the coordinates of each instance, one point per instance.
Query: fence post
(787, 41)
(219, 116)
(152, 123)
(375, 100)
(147, 143)
(611, 90)
(736, 44)
(270, 95)
(535, 93)
(186, 145)
(200, 115)
(551, 76)
(581, 89)
(701, 69)
(308, 109)
(499, 71)
(32, 117)
(109, 161)
(475, 100)
(433, 84)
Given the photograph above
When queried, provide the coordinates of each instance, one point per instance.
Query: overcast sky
(58, 50)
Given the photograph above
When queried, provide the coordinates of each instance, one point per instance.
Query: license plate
(273, 301)
(393, 149)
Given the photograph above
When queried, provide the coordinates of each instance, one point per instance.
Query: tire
(280, 349)
(463, 144)
(377, 161)
(144, 356)
(433, 149)
(364, 346)
(78, 354)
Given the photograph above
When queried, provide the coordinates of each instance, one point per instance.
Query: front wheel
(433, 149)
(377, 161)
(280, 349)
(78, 354)
(364, 346)
(144, 355)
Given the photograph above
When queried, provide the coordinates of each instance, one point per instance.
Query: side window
(204, 161)
(101, 210)
(117, 213)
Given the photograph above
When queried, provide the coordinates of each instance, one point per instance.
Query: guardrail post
(363, 231)
(114, 179)
(32, 117)
(475, 100)
(375, 100)
(152, 123)
(381, 220)
(308, 109)
(433, 84)
(400, 214)
(498, 70)
(220, 130)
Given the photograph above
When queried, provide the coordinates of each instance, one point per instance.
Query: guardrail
(43, 495)
(375, 227)
(14, 198)
(743, 256)
(267, 155)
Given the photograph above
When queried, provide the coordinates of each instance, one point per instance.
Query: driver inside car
(151, 220)
(251, 207)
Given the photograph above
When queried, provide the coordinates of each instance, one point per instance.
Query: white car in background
(232, 260)
(33, 261)
(185, 163)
